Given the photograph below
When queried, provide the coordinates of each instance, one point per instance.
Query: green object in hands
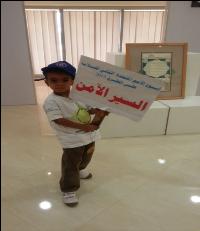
(83, 116)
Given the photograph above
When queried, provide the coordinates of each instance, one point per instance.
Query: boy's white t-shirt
(57, 107)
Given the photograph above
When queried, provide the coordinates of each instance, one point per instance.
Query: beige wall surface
(183, 24)
(16, 72)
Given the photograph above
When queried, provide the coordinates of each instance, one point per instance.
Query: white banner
(111, 88)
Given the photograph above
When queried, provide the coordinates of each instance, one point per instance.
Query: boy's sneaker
(70, 198)
(84, 174)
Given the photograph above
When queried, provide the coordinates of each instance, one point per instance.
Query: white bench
(184, 115)
(153, 123)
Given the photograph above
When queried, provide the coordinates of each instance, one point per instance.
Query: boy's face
(60, 83)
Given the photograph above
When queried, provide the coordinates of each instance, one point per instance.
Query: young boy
(72, 124)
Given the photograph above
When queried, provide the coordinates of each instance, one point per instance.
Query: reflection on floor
(139, 184)
(42, 91)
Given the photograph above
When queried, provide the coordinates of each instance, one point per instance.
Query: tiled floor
(139, 183)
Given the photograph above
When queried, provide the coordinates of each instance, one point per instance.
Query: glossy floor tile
(139, 183)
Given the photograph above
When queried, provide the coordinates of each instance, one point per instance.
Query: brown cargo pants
(74, 160)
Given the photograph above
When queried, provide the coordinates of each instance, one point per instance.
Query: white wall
(184, 24)
(192, 74)
(16, 72)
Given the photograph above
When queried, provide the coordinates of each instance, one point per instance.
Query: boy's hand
(89, 127)
(98, 112)
(92, 111)
(106, 113)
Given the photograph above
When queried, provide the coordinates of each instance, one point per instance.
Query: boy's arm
(54, 114)
(68, 123)
(98, 112)
(99, 116)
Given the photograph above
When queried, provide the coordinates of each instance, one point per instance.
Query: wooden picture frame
(166, 61)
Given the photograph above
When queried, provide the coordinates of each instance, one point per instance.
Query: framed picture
(166, 61)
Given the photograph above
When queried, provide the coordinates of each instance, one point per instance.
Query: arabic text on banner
(102, 85)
